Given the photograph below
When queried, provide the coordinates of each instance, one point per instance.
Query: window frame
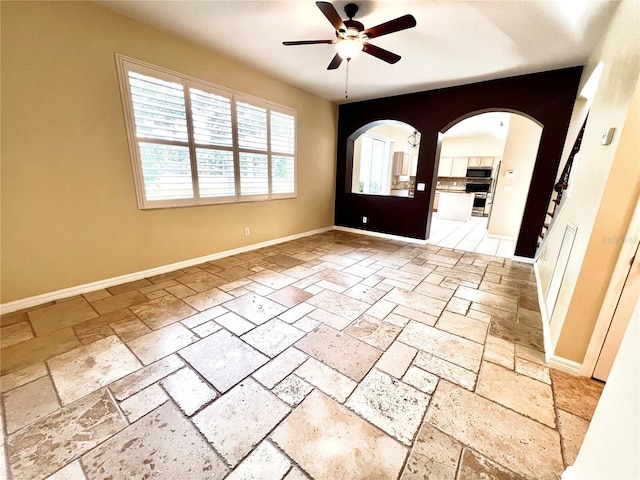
(126, 64)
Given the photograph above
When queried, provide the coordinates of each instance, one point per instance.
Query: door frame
(614, 292)
(441, 136)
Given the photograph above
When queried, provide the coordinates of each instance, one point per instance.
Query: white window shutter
(195, 143)
(254, 174)
(160, 114)
(282, 174)
(211, 113)
(252, 126)
(282, 133)
(213, 126)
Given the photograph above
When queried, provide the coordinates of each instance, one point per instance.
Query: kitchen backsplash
(451, 183)
(397, 184)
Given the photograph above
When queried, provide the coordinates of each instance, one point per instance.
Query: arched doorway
(483, 175)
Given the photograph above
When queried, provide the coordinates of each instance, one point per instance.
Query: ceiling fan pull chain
(346, 82)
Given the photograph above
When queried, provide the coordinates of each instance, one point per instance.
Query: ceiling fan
(352, 37)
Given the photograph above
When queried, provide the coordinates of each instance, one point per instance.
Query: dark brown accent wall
(546, 97)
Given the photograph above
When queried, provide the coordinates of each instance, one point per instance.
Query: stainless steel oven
(480, 191)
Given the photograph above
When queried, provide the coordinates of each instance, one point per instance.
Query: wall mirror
(385, 159)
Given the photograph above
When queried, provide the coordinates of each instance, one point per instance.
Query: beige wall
(477, 146)
(520, 150)
(604, 190)
(619, 200)
(69, 213)
(610, 448)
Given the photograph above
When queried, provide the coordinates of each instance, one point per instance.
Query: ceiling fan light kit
(349, 47)
(352, 38)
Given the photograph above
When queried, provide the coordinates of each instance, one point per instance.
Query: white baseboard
(502, 237)
(387, 236)
(553, 361)
(565, 365)
(528, 260)
(130, 277)
(546, 333)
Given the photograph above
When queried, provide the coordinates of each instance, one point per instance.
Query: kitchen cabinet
(486, 162)
(459, 168)
(401, 163)
(436, 200)
(444, 167)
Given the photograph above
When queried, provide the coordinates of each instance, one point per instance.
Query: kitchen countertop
(451, 190)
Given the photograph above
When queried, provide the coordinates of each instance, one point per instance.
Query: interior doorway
(482, 182)
(628, 299)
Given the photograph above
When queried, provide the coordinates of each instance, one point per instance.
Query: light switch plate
(421, 187)
(508, 188)
(607, 136)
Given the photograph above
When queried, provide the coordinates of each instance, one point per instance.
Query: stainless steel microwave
(479, 172)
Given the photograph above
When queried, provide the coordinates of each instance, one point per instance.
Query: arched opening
(483, 175)
(383, 156)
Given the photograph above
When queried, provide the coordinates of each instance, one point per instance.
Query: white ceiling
(454, 42)
(491, 123)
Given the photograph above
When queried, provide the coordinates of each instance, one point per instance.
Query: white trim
(612, 295)
(565, 365)
(546, 333)
(387, 236)
(502, 237)
(130, 277)
(528, 260)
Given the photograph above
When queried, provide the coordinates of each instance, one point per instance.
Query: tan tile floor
(336, 356)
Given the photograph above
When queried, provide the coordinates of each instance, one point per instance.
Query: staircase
(560, 187)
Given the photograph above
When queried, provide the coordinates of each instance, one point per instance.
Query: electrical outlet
(365, 219)
(247, 232)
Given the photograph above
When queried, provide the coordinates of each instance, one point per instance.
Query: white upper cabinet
(444, 167)
(459, 168)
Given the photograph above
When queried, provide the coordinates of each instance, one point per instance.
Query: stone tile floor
(335, 356)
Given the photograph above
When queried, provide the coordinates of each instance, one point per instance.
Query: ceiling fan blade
(335, 63)
(380, 53)
(332, 15)
(308, 42)
(400, 23)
